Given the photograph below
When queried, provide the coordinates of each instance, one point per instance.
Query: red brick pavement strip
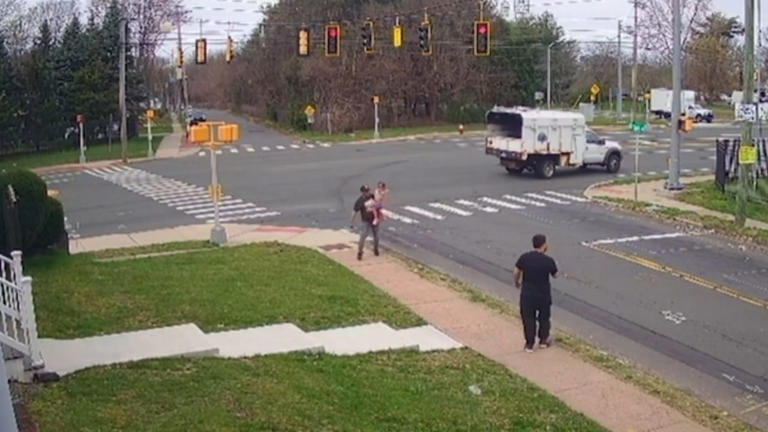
(609, 401)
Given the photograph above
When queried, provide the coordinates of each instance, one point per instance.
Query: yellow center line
(651, 264)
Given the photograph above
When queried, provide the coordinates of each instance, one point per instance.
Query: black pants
(535, 309)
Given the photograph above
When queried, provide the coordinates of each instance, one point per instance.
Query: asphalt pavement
(456, 208)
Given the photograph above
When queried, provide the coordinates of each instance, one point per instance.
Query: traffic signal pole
(673, 182)
(746, 132)
(123, 108)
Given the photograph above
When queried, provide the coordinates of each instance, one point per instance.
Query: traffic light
(397, 36)
(332, 40)
(368, 37)
(482, 38)
(425, 34)
(304, 42)
(180, 54)
(229, 55)
(201, 51)
(685, 123)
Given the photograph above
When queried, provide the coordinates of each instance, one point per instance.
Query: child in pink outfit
(380, 196)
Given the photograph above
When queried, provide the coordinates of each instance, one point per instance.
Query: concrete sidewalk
(653, 192)
(611, 402)
(172, 145)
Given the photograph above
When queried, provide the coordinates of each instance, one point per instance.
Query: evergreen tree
(69, 59)
(40, 117)
(8, 99)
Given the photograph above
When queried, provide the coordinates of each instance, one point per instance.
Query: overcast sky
(576, 16)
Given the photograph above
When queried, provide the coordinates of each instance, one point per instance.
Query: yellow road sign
(150, 113)
(595, 89)
(309, 110)
(376, 100)
(747, 154)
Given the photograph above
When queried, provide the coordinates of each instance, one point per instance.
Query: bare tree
(655, 24)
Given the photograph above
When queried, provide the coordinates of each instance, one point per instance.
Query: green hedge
(41, 218)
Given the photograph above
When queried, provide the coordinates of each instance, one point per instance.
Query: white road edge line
(637, 238)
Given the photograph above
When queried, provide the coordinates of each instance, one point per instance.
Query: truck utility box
(539, 140)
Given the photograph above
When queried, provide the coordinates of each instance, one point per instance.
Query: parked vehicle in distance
(661, 101)
(700, 114)
(541, 141)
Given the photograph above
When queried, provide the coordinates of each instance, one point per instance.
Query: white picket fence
(18, 328)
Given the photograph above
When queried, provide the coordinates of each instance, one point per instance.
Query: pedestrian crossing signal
(332, 40)
(482, 38)
(201, 51)
(368, 37)
(397, 36)
(229, 54)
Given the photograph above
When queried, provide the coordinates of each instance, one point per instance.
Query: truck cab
(541, 141)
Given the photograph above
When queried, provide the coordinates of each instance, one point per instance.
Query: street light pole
(549, 76)
(619, 101)
(673, 182)
(123, 108)
(634, 65)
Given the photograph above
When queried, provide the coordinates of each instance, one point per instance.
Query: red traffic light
(332, 32)
(482, 29)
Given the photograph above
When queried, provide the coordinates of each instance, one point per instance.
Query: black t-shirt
(365, 214)
(537, 268)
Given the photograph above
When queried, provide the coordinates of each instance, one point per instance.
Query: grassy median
(396, 391)
(707, 194)
(224, 288)
(387, 133)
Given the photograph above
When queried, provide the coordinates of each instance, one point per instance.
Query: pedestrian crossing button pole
(80, 125)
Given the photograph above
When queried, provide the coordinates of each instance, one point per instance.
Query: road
(690, 307)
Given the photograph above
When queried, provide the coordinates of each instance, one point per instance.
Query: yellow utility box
(199, 134)
(229, 133)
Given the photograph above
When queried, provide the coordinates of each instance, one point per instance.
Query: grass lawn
(397, 391)
(723, 112)
(137, 148)
(706, 194)
(367, 134)
(233, 287)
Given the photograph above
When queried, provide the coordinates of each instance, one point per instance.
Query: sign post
(376, 134)
(309, 111)
(150, 116)
(638, 127)
(80, 122)
(594, 91)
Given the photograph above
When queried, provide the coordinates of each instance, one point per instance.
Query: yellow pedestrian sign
(747, 154)
(309, 110)
(595, 89)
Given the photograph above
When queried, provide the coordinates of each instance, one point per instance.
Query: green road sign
(638, 126)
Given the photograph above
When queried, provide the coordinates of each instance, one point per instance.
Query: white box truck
(528, 139)
(661, 102)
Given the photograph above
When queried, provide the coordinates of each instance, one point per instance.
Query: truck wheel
(709, 119)
(698, 118)
(613, 164)
(545, 168)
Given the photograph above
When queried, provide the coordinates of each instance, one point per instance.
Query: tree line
(69, 66)
(270, 81)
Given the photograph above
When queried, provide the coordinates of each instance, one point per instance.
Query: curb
(407, 138)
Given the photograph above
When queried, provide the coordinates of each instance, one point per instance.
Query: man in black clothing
(365, 206)
(535, 268)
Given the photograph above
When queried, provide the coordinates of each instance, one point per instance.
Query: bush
(53, 226)
(41, 218)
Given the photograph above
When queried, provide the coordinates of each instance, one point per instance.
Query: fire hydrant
(461, 129)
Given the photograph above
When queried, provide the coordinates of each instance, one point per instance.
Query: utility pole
(619, 107)
(673, 182)
(180, 74)
(633, 92)
(746, 131)
(123, 109)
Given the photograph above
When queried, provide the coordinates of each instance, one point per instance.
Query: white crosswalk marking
(685, 170)
(394, 216)
(651, 173)
(524, 200)
(566, 196)
(218, 152)
(249, 149)
(500, 203)
(234, 150)
(425, 213)
(265, 148)
(476, 206)
(310, 146)
(325, 145)
(201, 153)
(546, 198)
(189, 199)
(687, 150)
(280, 147)
(450, 209)
(295, 146)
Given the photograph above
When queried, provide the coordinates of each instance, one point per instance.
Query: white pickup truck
(528, 139)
